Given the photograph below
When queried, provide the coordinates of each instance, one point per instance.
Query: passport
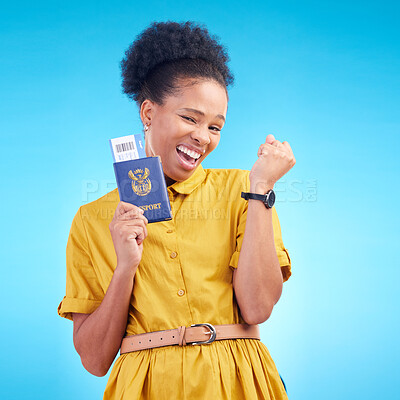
(140, 180)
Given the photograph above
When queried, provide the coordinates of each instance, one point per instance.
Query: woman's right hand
(128, 231)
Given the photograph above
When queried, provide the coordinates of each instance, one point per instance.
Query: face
(186, 128)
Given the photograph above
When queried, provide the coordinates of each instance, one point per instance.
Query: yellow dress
(184, 277)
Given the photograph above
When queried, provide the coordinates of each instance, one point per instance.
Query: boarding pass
(126, 148)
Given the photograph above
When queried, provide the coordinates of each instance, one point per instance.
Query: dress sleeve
(281, 251)
(83, 290)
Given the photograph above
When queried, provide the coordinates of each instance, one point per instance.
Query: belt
(195, 334)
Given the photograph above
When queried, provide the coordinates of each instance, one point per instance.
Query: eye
(215, 128)
(188, 118)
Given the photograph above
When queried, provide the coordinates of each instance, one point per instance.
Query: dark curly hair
(167, 52)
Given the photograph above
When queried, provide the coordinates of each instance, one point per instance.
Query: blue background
(322, 75)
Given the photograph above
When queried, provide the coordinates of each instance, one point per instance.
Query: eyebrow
(198, 112)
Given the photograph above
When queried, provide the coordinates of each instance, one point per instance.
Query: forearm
(258, 279)
(99, 337)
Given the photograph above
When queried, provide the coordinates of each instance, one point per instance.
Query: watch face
(270, 200)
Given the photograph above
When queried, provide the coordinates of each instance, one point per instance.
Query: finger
(135, 235)
(132, 214)
(289, 153)
(270, 138)
(132, 232)
(287, 146)
(123, 228)
(124, 207)
(121, 208)
(131, 223)
(144, 235)
(265, 148)
(277, 144)
(138, 233)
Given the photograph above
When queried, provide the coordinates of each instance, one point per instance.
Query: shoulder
(99, 211)
(226, 185)
(233, 177)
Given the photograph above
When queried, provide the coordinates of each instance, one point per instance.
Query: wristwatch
(268, 198)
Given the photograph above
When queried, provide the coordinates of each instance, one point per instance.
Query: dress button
(169, 231)
(173, 254)
(181, 292)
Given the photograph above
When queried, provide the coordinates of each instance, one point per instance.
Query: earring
(146, 127)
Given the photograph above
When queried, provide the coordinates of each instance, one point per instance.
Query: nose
(201, 136)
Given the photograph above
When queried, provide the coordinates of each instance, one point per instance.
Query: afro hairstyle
(166, 52)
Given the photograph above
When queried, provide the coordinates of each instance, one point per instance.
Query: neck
(168, 180)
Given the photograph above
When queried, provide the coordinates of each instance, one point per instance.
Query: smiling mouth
(187, 155)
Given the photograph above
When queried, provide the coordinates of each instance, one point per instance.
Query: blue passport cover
(141, 182)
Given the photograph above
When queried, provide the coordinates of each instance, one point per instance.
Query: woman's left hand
(275, 159)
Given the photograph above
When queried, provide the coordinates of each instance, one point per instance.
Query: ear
(146, 111)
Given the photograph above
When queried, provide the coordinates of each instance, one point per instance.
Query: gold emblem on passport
(141, 184)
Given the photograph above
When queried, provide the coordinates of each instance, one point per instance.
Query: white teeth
(189, 152)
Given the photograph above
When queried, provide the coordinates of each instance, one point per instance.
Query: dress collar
(187, 186)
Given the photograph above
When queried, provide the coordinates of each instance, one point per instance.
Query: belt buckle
(212, 332)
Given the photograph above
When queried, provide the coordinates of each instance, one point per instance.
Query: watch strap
(253, 196)
(268, 198)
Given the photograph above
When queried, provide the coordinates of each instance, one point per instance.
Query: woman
(220, 262)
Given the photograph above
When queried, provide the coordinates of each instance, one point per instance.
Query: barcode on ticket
(127, 148)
